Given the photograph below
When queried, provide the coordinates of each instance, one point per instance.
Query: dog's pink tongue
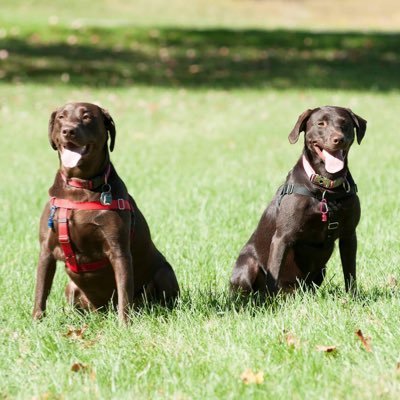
(334, 162)
(70, 158)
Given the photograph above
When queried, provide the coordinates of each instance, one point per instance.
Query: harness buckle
(63, 238)
(286, 189)
(333, 225)
(121, 204)
(346, 186)
(321, 181)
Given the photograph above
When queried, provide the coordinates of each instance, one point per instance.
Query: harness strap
(323, 197)
(290, 188)
(65, 207)
(63, 238)
(118, 204)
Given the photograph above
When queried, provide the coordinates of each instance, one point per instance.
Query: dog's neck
(91, 184)
(70, 184)
(318, 175)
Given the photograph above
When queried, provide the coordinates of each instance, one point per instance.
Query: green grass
(202, 157)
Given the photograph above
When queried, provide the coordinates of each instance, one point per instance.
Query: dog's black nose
(337, 138)
(68, 131)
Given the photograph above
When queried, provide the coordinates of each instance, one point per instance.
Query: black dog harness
(325, 197)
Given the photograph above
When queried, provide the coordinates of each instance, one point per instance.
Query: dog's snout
(337, 138)
(68, 131)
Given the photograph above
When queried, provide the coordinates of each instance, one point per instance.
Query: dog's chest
(84, 231)
(86, 226)
(327, 221)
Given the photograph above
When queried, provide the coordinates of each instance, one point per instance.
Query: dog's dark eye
(322, 124)
(60, 117)
(86, 117)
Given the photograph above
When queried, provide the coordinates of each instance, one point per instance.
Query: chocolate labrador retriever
(317, 205)
(93, 224)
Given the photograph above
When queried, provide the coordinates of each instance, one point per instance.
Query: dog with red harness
(93, 225)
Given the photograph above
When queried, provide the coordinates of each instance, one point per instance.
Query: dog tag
(323, 207)
(106, 198)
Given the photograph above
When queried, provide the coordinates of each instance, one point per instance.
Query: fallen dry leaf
(72, 40)
(76, 367)
(76, 333)
(223, 51)
(43, 396)
(249, 377)
(194, 69)
(92, 376)
(89, 343)
(364, 340)
(327, 349)
(4, 54)
(392, 281)
(291, 340)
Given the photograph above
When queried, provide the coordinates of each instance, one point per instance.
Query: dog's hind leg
(164, 285)
(248, 274)
(76, 298)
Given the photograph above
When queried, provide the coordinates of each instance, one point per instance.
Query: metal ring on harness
(346, 186)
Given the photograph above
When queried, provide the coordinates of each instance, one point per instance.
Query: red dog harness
(65, 207)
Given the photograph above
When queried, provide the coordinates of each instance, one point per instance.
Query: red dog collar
(90, 184)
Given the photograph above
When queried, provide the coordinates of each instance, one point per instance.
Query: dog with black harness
(317, 205)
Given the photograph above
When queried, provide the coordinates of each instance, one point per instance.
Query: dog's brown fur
(291, 243)
(135, 265)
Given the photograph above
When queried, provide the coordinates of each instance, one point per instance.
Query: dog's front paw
(37, 315)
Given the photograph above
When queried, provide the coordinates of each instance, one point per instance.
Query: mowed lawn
(203, 107)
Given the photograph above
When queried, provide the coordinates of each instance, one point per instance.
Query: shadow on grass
(219, 58)
(213, 301)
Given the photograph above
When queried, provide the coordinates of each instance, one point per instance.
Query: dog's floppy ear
(360, 124)
(51, 126)
(300, 126)
(110, 126)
